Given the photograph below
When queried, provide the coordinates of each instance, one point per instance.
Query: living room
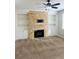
(39, 29)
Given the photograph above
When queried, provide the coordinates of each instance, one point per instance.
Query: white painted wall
(21, 26)
(60, 31)
(51, 23)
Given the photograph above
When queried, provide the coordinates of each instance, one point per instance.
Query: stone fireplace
(37, 24)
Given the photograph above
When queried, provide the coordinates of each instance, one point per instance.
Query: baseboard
(62, 36)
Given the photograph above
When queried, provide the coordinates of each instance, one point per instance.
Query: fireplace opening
(40, 20)
(38, 33)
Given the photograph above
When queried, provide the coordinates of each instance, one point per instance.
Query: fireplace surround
(37, 24)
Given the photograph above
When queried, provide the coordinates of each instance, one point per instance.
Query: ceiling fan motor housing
(48, 4)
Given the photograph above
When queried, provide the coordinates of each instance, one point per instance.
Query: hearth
(38, 33)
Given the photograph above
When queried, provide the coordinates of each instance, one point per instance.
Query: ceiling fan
(48, 4)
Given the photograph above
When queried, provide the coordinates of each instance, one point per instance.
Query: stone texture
(33, 16)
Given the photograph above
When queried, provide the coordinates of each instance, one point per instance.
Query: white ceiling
(36, 4)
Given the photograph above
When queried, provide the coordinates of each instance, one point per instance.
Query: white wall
(52, 25)
(21, 26)
(60, 31)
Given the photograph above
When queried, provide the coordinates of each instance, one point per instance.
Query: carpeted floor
(46, 48)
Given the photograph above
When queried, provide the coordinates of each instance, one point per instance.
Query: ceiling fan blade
(55, 7)
(48, 0)
(56, 4)
(45, 4)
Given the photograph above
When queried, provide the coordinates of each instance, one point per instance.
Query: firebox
(38, 33)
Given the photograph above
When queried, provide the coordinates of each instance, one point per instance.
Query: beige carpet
(46, 48)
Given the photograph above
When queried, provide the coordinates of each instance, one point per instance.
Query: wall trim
(62, 36)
